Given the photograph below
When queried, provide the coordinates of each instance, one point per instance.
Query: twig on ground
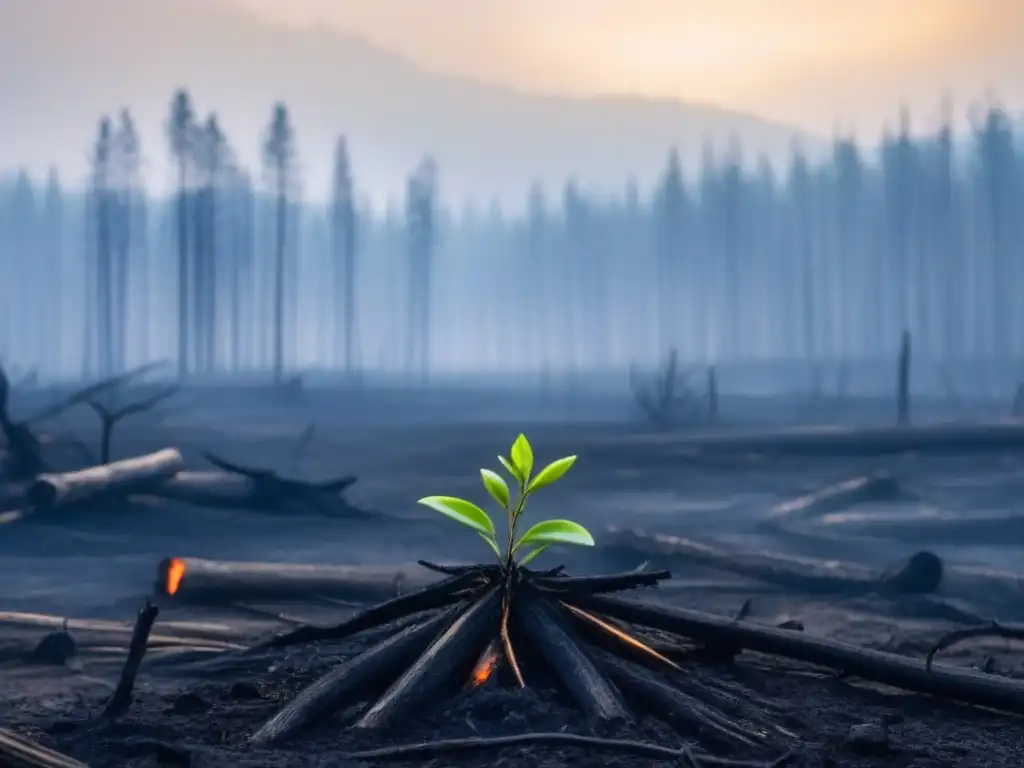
(432, 749)
(995, 629)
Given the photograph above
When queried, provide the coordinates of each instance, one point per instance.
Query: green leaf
(522, 457)
(465, 512)
(551, 473)
(532, 554)
(495, 486)
(556, 532)
(510, 468)
(492, 544)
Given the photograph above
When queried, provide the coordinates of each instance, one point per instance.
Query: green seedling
(521, 550)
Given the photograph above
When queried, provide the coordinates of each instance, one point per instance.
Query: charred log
(139, 474)
(922, 573)
(102, 632)
(232, 486)
(668, 703)
(450, 657)
(353, 681)
(597, 584)
(219, 582)
(428, 598)
(552, 637)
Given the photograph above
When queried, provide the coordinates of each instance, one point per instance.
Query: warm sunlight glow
(175, 573)
(774, 56)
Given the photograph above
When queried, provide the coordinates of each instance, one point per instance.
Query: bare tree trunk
(183, 275)
(282, 218)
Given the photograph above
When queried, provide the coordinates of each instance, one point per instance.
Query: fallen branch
(219, 582)
(140, 474)
(236, 487)
(105, 631)
(436, 749)
(17, 751)
(994, 629)
(928, 526)
(122, 697)
(878, 487)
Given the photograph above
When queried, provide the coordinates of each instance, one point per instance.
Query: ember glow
(623, 636)
(486, 665)
(175, 573)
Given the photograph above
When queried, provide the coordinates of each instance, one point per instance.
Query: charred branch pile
(483, 626)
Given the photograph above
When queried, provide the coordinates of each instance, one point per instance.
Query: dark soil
(103, 566)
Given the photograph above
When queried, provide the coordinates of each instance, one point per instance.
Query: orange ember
(175, 573)
(623, 636)
(485, 667)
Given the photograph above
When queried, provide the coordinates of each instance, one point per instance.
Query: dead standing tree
(279, 159)
(668, 398)
(421, 225)
(109, 418)
(903, 382)
(23, 458)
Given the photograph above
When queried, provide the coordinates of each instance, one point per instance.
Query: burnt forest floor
(103, 566)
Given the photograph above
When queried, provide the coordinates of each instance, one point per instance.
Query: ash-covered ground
(101, 564)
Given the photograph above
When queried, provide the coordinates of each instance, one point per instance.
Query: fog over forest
(821, 262)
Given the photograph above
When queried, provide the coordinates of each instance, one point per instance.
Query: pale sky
(815, 63)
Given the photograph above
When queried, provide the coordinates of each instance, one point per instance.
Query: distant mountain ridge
(72, 61)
